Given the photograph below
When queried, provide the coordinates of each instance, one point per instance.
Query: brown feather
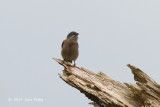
(69, 50)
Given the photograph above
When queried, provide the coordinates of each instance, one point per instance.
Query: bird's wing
(62, 43)
(77, 45)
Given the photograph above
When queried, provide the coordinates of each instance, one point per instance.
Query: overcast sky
(112, 34)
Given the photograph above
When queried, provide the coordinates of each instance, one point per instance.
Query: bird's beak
(77, 34)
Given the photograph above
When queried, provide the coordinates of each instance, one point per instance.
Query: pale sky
(112, 34)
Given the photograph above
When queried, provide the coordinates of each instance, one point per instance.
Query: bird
(69, 48)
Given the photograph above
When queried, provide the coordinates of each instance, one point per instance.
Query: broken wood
(106, 92)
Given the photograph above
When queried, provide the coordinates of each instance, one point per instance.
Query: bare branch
(106, 92)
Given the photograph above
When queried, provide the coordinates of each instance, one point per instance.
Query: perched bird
(69, 50)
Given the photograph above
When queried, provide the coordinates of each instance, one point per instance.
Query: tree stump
(106, 92)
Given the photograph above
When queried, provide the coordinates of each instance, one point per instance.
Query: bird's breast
(70, 50)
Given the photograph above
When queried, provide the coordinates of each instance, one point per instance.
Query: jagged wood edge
(106, 92)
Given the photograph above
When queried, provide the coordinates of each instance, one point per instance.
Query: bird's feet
(74, 64)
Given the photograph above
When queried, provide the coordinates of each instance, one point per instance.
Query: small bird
(70, 46)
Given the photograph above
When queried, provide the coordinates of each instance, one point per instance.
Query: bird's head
(73, 35)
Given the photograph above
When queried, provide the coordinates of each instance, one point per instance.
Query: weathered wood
(106, 92)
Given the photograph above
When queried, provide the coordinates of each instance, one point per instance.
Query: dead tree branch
(106, 92)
